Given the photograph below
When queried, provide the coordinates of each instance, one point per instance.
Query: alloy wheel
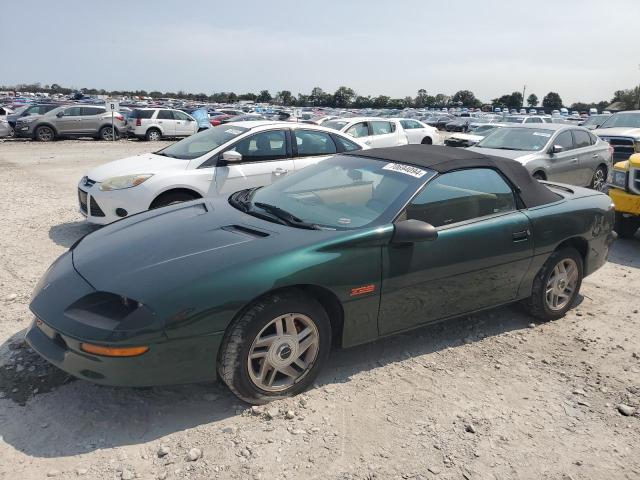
(561, 285)
(283, 352)
(154, 135)
(107, 134)
(45, 134)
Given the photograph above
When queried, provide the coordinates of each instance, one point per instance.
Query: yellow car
(624, 189)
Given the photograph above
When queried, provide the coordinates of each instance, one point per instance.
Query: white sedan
(217, 161)
(418, 132)
(372, 131)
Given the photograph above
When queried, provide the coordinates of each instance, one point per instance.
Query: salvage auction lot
(488, 396)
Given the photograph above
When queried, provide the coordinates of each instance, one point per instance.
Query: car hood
(145, 163)
(519, 155)
(168, 248)
(618, 132)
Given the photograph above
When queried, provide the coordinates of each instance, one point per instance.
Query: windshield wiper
(240, 199)
(286, 216)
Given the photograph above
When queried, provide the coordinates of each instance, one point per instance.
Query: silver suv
(155, 123)
(70, 121)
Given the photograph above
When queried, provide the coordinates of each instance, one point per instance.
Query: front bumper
(23, 130)
(61, 326)
(100, 207)
(170, 362)
(625, 202)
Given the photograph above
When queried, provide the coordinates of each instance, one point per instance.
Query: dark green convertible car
(256, 288)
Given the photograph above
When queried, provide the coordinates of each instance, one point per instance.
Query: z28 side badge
(362, 290)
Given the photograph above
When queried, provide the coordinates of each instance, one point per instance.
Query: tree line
(345, 97)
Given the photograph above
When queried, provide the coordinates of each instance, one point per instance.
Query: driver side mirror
(232, 156)
(60, 114)
(411, 231)
(556, 149)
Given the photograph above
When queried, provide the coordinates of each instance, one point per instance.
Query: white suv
(156, 123)
(217, 161)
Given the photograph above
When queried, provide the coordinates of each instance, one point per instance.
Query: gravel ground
(492, 396)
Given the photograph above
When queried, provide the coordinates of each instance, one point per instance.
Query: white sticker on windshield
(406, 169)
(233, 131)
(541, 134)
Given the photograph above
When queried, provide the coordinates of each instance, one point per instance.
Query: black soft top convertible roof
(446, 159)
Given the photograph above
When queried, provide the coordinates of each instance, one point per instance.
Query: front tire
(44, 134)
(427, 141)
(171, 198)
(626, 227)
(276, 348)
(556, 285)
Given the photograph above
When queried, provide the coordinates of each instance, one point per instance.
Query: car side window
(165, 115)
(72, 111)
(271, 145)
(314, 143)
(381, 128)
(462, 195)
(565, 140)
(534, 120)
(358, 130)
(86, 111)
(180, 115)
(582, 138)
(345, 145)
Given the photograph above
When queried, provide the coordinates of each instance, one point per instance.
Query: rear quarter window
(142, 113)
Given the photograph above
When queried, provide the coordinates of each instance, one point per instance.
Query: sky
(582, 49)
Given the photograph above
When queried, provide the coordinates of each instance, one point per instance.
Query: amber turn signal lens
(113, 351)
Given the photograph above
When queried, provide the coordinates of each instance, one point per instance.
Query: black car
(460, 124)
(439, 121)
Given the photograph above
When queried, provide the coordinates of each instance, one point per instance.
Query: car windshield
(484, 130)
(629, 120)
(595, 120)
(343, 192)
(512, 119)
(516, 138)
(202, 143)
(335, 124)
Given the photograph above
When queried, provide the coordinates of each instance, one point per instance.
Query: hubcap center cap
(284, 352)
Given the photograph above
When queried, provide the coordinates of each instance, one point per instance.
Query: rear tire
(427, 141)
(105, 133)
(556, 285)
(261, 362)
(153, 135)
(44, 134)
(539, 176)
(171, 198)
(626, 227)
(599, 179)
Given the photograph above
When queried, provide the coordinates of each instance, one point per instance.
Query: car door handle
(573, 160)
(595, 155)
(520, 236)
(280, 171)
